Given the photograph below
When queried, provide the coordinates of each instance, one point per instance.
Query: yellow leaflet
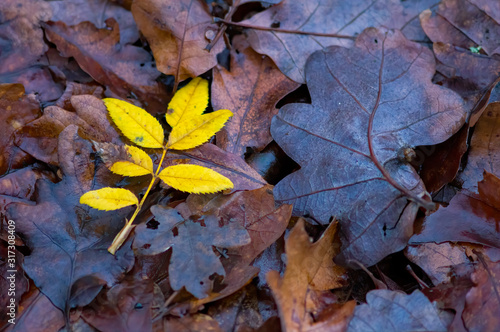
(135, 123)
(195, 131)
(189, 102)
(195, 179)
(139, 163)
(109, 198)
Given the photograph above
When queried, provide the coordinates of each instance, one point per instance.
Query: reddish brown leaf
(230, 165)
(74, 237)
(469, 218)
(452, 24)
(16, 110)
(40, 137)
(290, 51)
(484, 150)
(482, 302)
(123, 68)
(250, 90)
(310, 270)
(176, 28)
(439, 261)
(370, 105)
(441, 165)
(473, 76)
(395, 311)
(125, 307)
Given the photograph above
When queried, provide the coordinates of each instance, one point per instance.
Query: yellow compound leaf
(195, 131)
(189, 102)
(138, 163)
(109, 198)
(195, 179)
(135, 123)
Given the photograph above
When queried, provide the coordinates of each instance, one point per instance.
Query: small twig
(298, 32)
(419, 281)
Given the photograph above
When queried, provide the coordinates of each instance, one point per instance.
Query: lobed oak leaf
(290, 51)
(194, 179)
(109, 198)
(140, 163)
(310, 271)
(192, 132)
(370, 104)
(188, 103)
(135, 123)
(193, 259)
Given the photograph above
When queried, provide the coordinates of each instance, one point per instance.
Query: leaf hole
(138, 306)
(376, 41)
(175, 231)
(152, 224)
(275, 24)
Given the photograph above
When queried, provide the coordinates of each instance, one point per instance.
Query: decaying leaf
(74, 237)
(469, 217)
(40, 137)
(16, 110)
(194, 179)
(482, 302)
(193, 260)
(352, 140)
(310, 270)
(394, 311)
(124, 69)
(290, 51)
(176, 28)
(250, 90)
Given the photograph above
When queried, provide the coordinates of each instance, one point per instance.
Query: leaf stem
(298, 32)
(125, 232)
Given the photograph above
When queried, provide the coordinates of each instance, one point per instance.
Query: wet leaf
(351, 141)
(468, 218)
(251, 90)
